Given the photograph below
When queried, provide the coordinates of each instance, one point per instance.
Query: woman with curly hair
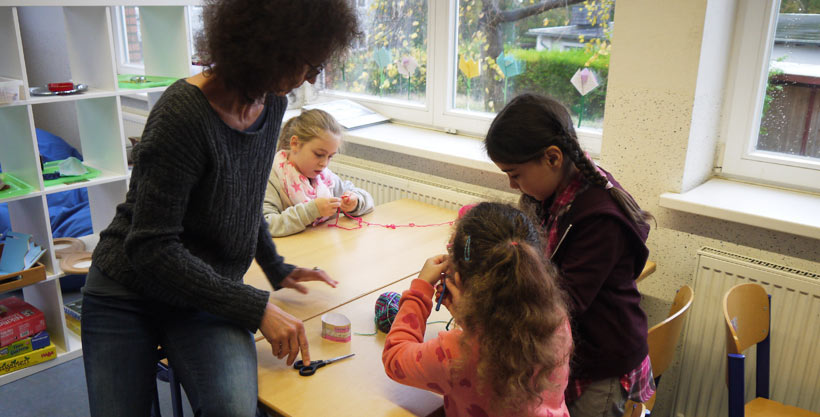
(168, 269)
(511, 355)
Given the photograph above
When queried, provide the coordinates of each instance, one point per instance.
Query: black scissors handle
(310, 369)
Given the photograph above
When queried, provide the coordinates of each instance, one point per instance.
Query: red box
(19, 320)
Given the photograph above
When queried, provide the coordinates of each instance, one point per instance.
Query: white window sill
(772, 208)
(453, 149)
(460, 150)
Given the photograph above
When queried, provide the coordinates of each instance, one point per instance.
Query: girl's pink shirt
(429, 365)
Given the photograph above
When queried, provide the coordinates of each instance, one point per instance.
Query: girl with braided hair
(596, 234)
(510, 356)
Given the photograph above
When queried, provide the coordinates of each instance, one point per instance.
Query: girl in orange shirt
(510, 356)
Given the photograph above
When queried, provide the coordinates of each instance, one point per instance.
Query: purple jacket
(600, 257)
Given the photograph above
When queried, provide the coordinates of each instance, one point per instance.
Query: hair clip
(513, 243)
(467, 249)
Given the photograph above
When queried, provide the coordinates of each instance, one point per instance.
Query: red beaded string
(387, 226)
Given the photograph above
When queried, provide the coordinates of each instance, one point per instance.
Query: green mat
(53, 166)
(125, 81)
(17, 187)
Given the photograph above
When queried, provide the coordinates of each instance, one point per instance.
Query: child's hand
(451, 296)
(434, 268)
(349, 201)
(328, 205)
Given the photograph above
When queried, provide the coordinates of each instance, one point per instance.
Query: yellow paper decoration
(469, 68)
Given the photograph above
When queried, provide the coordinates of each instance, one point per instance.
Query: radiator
(387, 186)
(795, 335)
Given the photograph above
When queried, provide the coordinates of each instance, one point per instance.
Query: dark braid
(531, 123)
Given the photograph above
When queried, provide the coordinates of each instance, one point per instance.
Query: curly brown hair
(252, 45)
(511, 303)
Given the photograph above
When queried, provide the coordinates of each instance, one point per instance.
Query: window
(130, 45)
(773, 129)
(129, 36)
(453, 64)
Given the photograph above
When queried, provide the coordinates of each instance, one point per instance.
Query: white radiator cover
(387, 186)
(795, 335)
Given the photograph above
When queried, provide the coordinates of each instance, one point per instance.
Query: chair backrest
(746, 312)
(663, 337)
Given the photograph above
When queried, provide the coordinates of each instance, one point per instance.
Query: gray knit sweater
(192, 219)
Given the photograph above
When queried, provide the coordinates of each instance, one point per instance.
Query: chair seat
(761, 407)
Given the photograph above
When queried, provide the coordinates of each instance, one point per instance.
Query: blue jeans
(214, 359)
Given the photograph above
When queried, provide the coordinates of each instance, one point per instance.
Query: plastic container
(11, 90)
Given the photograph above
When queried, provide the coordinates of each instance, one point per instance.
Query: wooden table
(363, 260)
(357, 386)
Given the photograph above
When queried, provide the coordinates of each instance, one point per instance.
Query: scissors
(314, 365)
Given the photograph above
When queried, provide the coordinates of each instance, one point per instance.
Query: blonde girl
(301, 190)
(511, 355)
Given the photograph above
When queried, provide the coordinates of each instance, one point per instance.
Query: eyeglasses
(314, 70)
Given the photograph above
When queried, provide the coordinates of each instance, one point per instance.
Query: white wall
(661, 127)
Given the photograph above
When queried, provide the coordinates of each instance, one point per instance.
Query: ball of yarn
(387, 306)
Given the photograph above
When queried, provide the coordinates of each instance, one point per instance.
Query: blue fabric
(68, 211)
(53, 148)
(215, 360)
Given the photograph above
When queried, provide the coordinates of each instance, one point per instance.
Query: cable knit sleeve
(407, 358)
(168, 163)
(269, 260)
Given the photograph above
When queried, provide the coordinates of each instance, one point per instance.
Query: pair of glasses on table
(314, 365)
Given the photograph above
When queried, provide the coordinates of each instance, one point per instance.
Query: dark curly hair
(512, 303)
(253, 45)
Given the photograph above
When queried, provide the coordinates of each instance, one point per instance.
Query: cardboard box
(19, 320)
(28, 359)
(29, 344)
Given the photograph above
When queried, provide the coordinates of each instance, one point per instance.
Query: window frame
(121, 46)
(753, 38)
(437, 111)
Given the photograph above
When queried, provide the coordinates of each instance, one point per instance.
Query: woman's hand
(434, 268)
(285, 333)
(303, 275)
(328, 205)
(349, 201)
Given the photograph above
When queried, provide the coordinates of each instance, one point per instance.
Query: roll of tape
(335, 327)
(76, 263)
(67, 245)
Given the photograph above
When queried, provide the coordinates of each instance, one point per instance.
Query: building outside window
(773, 127)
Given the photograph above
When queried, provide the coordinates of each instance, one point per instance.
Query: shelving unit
(95, 116)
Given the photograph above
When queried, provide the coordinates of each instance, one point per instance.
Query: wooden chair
(663, 337)
(746, 310)
(648, 269)
(633, 409)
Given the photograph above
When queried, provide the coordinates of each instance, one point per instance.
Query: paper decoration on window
(470, 69)
(510, 67)
(407, 67)
(383, 58)
(584, 80)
